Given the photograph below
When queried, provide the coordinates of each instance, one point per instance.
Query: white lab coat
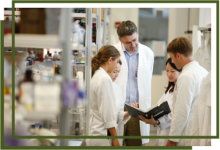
(201, 124)
(184, 101)
(145, 70)
(102, 108)
(163, 129)
(120, 112)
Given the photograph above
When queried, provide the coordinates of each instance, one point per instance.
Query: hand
(148, 121)
(126, 114)
(170, 143)
(115, 142)
(134, 104)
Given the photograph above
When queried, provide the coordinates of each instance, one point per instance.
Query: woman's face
(115, 72)
(172, 74)
(112, 64)
(111, 74)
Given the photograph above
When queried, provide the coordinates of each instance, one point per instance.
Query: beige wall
(159, 82)
(204, 17)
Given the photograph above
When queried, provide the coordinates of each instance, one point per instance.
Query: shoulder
(118, 46)
(184, 76)
(186, 81)
(146, 49)
(100, 76)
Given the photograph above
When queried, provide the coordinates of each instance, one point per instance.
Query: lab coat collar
(192, 63)
(123, 48)
(100, 68)
(103, 70)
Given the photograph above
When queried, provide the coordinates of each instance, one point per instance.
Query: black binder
(157, 111)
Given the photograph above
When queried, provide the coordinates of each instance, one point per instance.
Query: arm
(148, 121)
(114, 133)
(184, 97)
(106, 103)
(165, 121)
(170, 143)
(123, 116)
(126, 114)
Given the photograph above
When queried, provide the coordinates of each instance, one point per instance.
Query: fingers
(142, 118)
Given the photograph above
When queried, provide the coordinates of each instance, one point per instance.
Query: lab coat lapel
(144, 95)
(121, 81)
(123, 59)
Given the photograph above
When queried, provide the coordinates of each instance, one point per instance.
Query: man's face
(130, 42)
(175, 60)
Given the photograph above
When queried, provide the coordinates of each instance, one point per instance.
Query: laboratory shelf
(33, 40)
(82, 15)
(9, 13)
(39, 41)
(76, 15)
(82, 48)
(39, 116)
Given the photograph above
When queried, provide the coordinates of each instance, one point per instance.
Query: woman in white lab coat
(121, 115)
(102, 102)
(163, 123)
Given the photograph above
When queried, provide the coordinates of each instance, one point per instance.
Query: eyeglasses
(129, 43)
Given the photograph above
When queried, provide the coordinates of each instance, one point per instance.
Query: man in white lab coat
(134, 78)
(186, 90)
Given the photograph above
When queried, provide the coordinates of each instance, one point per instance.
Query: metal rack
(195, 36)
(62, 41)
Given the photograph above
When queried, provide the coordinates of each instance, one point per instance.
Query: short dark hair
(180, 45)
(126, 28)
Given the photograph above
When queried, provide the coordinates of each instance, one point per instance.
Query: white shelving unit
(39, 116)
(38, 41)
(82, 15)
(61, 41)
(44, 41)
(33, 40)
(75, 15)
(9, 13)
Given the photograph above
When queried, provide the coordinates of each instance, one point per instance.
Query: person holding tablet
(163, 123)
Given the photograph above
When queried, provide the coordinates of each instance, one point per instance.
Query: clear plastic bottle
(58, 56)
(47, 55)
(26, 88)
(17, 74)
(55, 56)
(33, 57)
(30, 60)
